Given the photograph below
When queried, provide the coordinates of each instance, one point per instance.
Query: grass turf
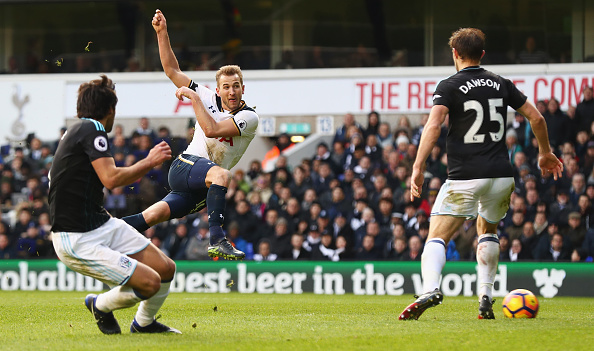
(59, 321)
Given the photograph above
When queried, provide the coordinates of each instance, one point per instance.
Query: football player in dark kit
(86, 238)
(480, 178)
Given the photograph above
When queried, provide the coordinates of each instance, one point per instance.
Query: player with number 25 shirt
(480, 176)
(477, 101)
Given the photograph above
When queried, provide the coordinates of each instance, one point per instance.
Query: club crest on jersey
(100, 143)
(242, 124)
(125, 262)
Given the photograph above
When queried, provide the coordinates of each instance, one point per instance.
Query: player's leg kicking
(196, 183)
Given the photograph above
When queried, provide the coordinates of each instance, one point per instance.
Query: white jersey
(225, 152)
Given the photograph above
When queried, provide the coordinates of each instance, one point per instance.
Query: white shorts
(488, 197)
(102, 252)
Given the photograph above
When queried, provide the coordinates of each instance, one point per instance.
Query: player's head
(97, 99)
(230, 86)
(469, 43)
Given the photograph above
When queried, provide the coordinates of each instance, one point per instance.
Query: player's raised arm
(168, 59)
(211, 128)
(112, 176)
(547, 161)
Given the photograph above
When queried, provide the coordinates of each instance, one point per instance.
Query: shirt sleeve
(440, 96)
(516, 97)
(247, 122)
(94, 142)
(206, 95)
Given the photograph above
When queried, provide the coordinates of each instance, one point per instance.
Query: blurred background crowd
(349, 200)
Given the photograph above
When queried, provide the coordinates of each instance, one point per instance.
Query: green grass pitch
(59, 321)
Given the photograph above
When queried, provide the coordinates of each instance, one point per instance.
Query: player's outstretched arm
(210, 127)
(168, 59)
(547, 161)
(429, 137)
(113, 177)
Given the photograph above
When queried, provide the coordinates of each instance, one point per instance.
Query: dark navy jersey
(477, 101)
(76, 192)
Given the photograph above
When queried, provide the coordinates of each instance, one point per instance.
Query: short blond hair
(229, 70)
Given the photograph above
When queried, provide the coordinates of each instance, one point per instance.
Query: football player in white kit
(200, 176)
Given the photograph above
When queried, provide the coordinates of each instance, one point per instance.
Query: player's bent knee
(220, 176)
(153, 287)
(170, 270)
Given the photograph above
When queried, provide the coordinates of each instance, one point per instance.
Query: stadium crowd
(348, 201)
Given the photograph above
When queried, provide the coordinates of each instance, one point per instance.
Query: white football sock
(487, 257)
(117, 298)
(147, 310)
(432, 262)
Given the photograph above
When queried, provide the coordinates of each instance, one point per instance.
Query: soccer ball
(520, 303)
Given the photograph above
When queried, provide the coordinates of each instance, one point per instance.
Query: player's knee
(153, 285)
(169, 270)
(222, 177)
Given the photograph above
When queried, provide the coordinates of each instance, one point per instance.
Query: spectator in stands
(298, 183)
(264, 253)
(313, 238)
(557, 122)
(373, 123)
(175, 243)
(561, 208)
(463, 238)
(197, 247)
(543, 249)
(116, 202)
(368, 251)
(580, 255)
(7, 250)
(584, 111)
(514, 230)
(575, 231)
(24, 222)
(513, 146)
(247, 220)
(384, 135)
(297, 252)
(586, 211)
(399, 250)
(517, 251)
(504, 246)
(373, 150)
(578, 188)
(588, 244)
(280, 242)
(532, 200)
(341, 132)
(558, 250)
(541, 223)
(293, 213)
(342, 228)
(145, 129)
(324, 251)
(530, 54)
(415, 249)
(256, 205)
(529, 239)
(522, 129)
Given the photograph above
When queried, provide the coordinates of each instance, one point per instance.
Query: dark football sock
(137, 221)
(215, 204)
